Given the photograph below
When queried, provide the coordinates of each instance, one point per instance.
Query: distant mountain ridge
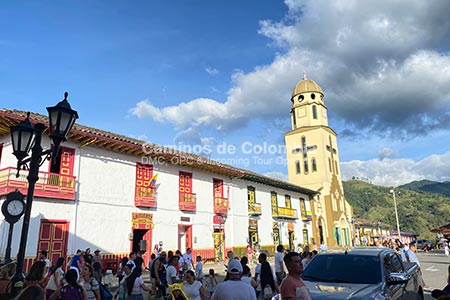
(442, 188)
(419, 211)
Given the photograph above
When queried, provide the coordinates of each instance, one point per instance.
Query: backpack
(69, 292)
(105, 294)
(152, 268)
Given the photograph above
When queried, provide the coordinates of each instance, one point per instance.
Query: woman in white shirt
(56, 273)
(135, 284)
(193, 288)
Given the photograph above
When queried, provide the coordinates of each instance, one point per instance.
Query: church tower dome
(306, 86)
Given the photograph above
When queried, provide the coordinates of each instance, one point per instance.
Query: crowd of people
(177, 276)
(46, 281)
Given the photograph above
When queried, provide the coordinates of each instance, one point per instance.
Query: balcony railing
(285, 213)
(49, 185)
(187, 201)
(254, 209)
(220, 205)
(145, 196)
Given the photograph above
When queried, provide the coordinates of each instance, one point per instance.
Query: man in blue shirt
(411, 253)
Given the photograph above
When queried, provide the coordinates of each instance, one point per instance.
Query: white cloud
(381, 64)
(211, 71)
(394, 172)
(386, 153)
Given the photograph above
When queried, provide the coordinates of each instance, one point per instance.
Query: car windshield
(344, 268)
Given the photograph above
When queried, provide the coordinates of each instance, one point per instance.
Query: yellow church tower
(313, 162)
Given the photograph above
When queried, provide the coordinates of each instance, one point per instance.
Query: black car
(424, 245)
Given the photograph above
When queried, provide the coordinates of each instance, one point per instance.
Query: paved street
(434, 267)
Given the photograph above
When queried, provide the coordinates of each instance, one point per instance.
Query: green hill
(442, 188)
(418, 211)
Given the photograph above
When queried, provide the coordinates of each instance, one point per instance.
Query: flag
(153, 181)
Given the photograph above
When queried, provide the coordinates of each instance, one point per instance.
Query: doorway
(184, 237)
(142, 241)
(219, 244)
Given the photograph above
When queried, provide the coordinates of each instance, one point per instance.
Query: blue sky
(206, 73)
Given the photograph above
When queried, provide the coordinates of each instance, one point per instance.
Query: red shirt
(288, 287)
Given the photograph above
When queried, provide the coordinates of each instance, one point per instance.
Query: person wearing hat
(234, 288)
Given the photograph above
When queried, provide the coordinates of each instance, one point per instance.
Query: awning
(442, 229)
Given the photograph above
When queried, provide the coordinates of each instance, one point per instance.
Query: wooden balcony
(220, 206)
(285, 213)
(254, 209)
(49, 185)
(187, 201)
(145, 196)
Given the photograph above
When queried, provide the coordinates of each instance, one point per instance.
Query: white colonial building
(117, 194)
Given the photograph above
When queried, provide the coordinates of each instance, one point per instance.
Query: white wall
(100, 217)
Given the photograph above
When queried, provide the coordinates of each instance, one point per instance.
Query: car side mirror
(397, 278)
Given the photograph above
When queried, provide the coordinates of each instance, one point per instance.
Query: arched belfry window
(313, 165)
(314, 112)
(305, 166)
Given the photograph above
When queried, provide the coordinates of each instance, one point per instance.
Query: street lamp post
(396, 213)
(61, 120)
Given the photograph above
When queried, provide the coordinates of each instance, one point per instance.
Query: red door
(53, 236)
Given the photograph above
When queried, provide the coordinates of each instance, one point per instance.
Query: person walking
(211, 282)
(172, 274)
(160, 274)
(199, 269)
(90, 284)
(139, 261)
(292, 287)
(187, 260)
(234, 288)
(279, 266)
(266, 278)
(76, 263)
(193, 288)
(56, 274)
(43, 256)
(135, 284)
(249, 252)
(88, 258)
(122, 291)
(97, 256)
(71, 289)
(120, 271)
(36, 275)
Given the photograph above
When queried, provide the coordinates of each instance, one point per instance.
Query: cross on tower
(332, 151)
